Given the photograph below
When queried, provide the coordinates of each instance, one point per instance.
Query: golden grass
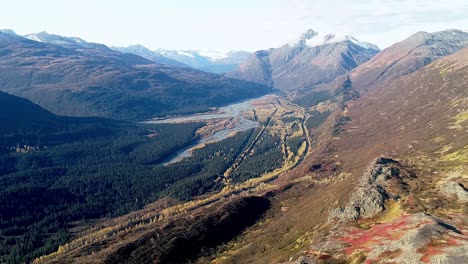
(461, 117)
(457, 156)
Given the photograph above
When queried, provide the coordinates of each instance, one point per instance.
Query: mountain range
(313, 59)
(209, 61)
(68, 76)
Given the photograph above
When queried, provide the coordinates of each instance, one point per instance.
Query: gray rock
(451, 188)
(371, 193)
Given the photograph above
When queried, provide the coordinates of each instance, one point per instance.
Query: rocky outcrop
(382, 181)
(455, 188)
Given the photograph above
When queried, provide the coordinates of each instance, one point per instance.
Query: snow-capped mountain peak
(365, 45)
(312, 38)
(36, 36)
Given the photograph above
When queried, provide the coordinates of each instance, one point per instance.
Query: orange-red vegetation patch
(360, 239)
(452, 242)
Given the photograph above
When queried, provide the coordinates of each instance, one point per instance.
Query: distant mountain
(144, 52)
(8, 31)
(74, 80)
(225, 62)
(69, 42)
(311, 60)
(209, 61)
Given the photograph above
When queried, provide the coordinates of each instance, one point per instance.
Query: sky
(224, 25)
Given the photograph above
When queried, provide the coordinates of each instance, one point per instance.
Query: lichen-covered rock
(377, 185)
(455, 188)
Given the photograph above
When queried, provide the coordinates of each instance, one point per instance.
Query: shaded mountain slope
(102, 82)
(18, 113)
(25, 123)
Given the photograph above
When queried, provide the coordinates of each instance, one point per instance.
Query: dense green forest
(266, 157)
(88, 173)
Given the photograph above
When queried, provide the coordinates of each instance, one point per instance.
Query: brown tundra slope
(384, 182)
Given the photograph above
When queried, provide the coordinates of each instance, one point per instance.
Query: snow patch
(365, 45)
(34, 37)
(212, 55)
(185, 53)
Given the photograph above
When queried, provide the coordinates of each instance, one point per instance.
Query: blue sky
(233, 24)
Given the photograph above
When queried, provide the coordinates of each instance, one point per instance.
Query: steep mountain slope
(403, 58)
(8, 31)
(102, 82)
(144, 52)
(310, 61)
